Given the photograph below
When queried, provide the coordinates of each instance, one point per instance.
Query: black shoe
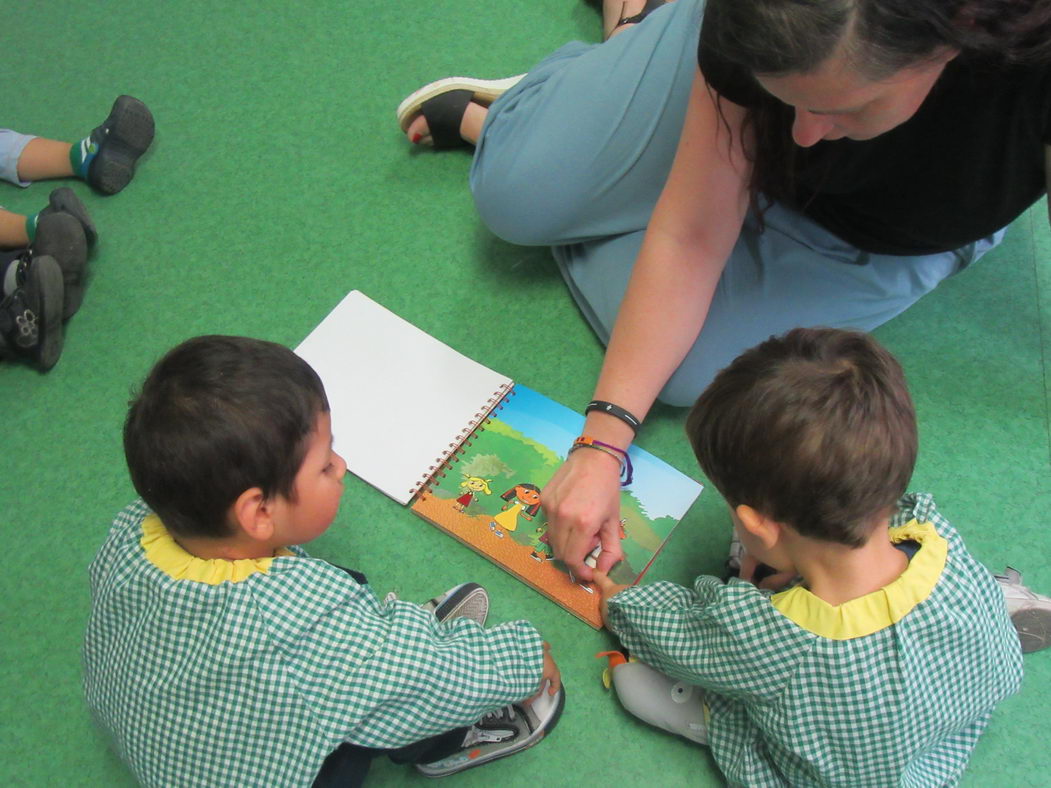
(61, 236)
(65, 200)
(31, 317)
(121, 139)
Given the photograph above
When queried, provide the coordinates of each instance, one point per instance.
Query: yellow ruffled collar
(167, 555)
(881, 608)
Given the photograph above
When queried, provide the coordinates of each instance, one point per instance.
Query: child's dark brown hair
(815, 429)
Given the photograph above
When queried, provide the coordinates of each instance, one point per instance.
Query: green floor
(278, 181)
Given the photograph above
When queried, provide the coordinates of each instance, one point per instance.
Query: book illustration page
(489, 497)
(401, 400)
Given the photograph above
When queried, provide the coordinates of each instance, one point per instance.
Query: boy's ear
(767, 531)
(253, 515)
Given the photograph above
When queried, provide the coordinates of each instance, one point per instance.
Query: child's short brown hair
(815, 429)
(216, 416)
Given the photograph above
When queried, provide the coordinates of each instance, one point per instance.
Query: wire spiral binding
(462, 440)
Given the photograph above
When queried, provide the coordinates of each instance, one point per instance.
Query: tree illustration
(486, 466)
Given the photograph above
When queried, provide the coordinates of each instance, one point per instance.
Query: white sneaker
(1030, 612)
(501, 733)
(467, 600)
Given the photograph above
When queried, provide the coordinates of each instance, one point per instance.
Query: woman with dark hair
(807, 163)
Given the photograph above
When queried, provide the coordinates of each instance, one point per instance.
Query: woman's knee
(528, 205)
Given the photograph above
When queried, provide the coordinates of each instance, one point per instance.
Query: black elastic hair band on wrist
(616, 411)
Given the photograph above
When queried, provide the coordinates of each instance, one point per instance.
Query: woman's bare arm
(693, 229)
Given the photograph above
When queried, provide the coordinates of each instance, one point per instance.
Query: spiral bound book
(471, 450)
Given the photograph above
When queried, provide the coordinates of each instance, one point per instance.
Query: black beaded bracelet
(616, 411)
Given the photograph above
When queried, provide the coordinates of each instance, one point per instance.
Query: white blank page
(401, 400)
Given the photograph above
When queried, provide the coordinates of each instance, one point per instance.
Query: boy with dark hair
(882, 664)
(219, 653)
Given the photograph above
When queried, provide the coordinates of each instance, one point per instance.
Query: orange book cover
(489, 497)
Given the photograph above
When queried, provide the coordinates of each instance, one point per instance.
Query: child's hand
(606, 588)
(748, 567)
(777, 581)
(550, 675)
(774, 582)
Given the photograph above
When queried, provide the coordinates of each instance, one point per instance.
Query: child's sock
(81, 155)
(31, 222)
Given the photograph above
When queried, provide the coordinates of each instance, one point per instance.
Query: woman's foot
(450, 112)
(419, 133)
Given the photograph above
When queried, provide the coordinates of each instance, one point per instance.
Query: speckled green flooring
(278, 181)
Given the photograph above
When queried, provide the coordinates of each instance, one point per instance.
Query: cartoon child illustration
(471, 485)
(541, 545)
(526, 497)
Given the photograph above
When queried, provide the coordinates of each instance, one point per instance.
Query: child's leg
(106, 158)
(348, 765)
(345, 767)
(671, 705)
(18, 230)
(42, 159)
(12, 144)
(433, 749)
(14, 232)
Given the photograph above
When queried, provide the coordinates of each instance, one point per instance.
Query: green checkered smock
(893, 688)
(250, 672)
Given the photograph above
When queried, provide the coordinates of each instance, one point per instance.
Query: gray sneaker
(1030, 612)
(503, 732)
(468, 600)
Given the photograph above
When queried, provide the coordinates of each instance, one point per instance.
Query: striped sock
(81, 154)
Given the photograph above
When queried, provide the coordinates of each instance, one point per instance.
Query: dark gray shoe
(65, 200)
(31, 317)
(61, 236)
(121, 139)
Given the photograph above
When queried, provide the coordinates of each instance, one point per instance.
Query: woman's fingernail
(416, 137)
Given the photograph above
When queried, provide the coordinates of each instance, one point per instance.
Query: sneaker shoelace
(494, 727)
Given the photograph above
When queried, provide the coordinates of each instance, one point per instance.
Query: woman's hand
(582, 503)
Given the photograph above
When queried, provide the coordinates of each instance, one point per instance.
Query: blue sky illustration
(660, 488)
